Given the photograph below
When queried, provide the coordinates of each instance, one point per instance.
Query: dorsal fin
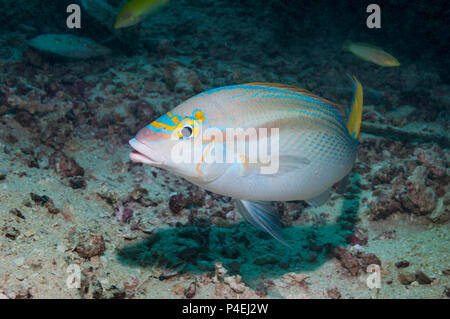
(367, 45)
(280, 86)
(301, 91)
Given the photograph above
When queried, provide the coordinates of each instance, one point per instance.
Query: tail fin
(355, 115)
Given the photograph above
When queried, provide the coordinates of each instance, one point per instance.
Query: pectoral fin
(289, 163)
(320, 199)
(275, 166)
(263, 216)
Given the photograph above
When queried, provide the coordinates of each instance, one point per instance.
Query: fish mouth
(143, 154)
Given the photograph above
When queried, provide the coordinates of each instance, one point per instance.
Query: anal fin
(263, 216)
(320, 199)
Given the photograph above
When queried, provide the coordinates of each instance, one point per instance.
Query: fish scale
(308, 116)
(309, 108)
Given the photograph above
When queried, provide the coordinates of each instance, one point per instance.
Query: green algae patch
(243, 249)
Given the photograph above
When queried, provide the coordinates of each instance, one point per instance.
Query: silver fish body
(311, 144)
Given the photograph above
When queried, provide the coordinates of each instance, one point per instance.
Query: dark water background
(415, 30)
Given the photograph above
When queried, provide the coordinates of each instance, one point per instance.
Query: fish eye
(186, 131)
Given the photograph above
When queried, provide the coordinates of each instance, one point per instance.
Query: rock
(17, 213)
(77, 182)
(40, 200)
(422, 278)
(138, 193)
(178, 289)
(45, 201)
(220, 270)
(402, 264)
(11, 232)
(19, 261)
(348, 261)
(68, 46)
(28, 233)
(61, 248)
(24, 118)
(178, 201)
(235, 284)
(222, 222)
(406, 279)
(224, 291)
(191, 290)
(110, 197)
(93, 246)
(383, 207)
(131, 284)
(68, 167)
(447, 291)
(67, 212)
(51, 208)
(334, 293)
(43, 162)
(298, 278)
(261, 289)
(418, 198)
(369, 259)
(170, 273)
(441, 213)
(123, 214)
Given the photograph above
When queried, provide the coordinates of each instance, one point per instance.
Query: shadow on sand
(244, 249)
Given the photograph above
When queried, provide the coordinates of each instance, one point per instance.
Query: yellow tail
(355, 115)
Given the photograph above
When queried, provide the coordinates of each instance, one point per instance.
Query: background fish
(371, 53)
(135, 11)
(317, 146)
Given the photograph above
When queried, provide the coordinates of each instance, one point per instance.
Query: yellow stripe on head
(199, 116)
(162, 125)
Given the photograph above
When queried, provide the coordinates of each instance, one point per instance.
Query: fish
(368, 52)
(313, 145)
(135, 11)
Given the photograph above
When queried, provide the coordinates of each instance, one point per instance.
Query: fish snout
(148, 136)
(148, 145)
(144, 154)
